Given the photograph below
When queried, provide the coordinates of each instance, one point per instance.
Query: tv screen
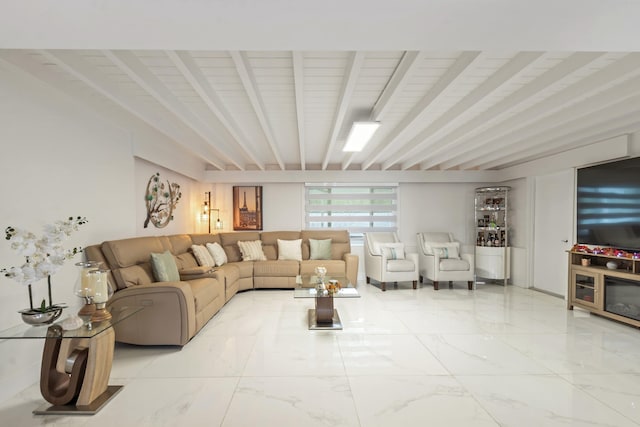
(608, 204)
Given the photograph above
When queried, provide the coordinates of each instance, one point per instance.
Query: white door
(553, 230)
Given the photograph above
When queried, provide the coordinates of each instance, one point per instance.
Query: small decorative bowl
(612, 265)
(37, 317)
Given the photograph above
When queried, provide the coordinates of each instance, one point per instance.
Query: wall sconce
(206, 212)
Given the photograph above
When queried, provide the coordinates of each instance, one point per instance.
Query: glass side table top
(307, 288)
(89, 330)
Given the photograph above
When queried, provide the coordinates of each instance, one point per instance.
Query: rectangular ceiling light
(360, 134)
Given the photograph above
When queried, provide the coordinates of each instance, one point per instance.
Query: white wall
(186, 213)
(61, 160)
(436, 207)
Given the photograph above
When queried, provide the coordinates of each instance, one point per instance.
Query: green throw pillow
(164, 267)
(320, 249)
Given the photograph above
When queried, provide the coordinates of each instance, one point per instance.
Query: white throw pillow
(218, 254)
(290, 249)
(252, 250)
(203, 256)
(447, 250)
(393, 250)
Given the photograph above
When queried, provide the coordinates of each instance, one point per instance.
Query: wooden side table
(76, 364)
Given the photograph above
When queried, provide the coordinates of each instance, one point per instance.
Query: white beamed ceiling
(290, 109)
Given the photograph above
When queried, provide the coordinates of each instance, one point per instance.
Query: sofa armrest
(167, 317)
(351, 267)
(196, 273)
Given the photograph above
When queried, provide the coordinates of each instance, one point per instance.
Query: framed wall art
(247, 208)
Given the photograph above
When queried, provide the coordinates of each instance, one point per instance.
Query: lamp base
(101, 313)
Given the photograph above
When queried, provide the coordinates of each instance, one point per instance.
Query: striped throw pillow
(252, 250)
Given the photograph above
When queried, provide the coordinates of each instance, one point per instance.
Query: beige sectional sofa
(174, 311)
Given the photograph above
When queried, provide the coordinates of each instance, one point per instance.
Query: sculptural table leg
(75, 372)
(324, 310)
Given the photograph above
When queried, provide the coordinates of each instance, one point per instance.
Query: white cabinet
(493, 263)
(493, 254)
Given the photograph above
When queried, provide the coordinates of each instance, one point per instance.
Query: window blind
(357, 208)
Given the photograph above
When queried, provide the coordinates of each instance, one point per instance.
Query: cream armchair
(440, 259)
(385, 260)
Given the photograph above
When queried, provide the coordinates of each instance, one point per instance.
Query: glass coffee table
(324, 315)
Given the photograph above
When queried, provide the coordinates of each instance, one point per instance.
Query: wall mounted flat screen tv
(608, 204)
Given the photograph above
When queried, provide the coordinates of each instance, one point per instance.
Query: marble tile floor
(495, 356)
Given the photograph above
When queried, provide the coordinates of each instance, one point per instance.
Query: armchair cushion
(454, 265)
(398, 265)
(393, 251)
(446, 250)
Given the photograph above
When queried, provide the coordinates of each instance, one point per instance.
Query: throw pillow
(252, 250)
(218, 254)
(393, 250)
(164, 267)
(320, 249)
(290, 249)
(446, 250)
(203, 256)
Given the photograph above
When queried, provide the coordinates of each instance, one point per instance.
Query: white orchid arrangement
(44, 255)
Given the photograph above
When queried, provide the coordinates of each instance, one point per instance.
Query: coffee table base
(89, 409)
(335, 324)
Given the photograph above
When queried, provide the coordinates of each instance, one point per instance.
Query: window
(357, 208)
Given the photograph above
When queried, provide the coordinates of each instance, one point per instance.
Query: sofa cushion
(164, 267)
(141, 274)
(128, 252)
(203, 256)
(204, 291)
(180, 243)
(454, 265)
(290, 249)
(283, 268)
(340, 242)
(245, 269)
(229, 242)
(270, 241)
(320, 249)
(218, 254)
(252, 250)
(203, 239)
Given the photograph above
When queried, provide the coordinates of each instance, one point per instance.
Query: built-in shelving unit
(492, 254)
(611, 291)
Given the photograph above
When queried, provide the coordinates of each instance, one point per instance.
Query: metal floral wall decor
(161, 199)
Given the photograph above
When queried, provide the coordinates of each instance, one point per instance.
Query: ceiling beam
(298, 81)
(616, 73)
(601, 110)
(462, 63)
(193, 74)
(426, 138)
(356, 59)
(131, 65)
(451, 145)
(404, 70)
(251, 88)
(88, 74)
